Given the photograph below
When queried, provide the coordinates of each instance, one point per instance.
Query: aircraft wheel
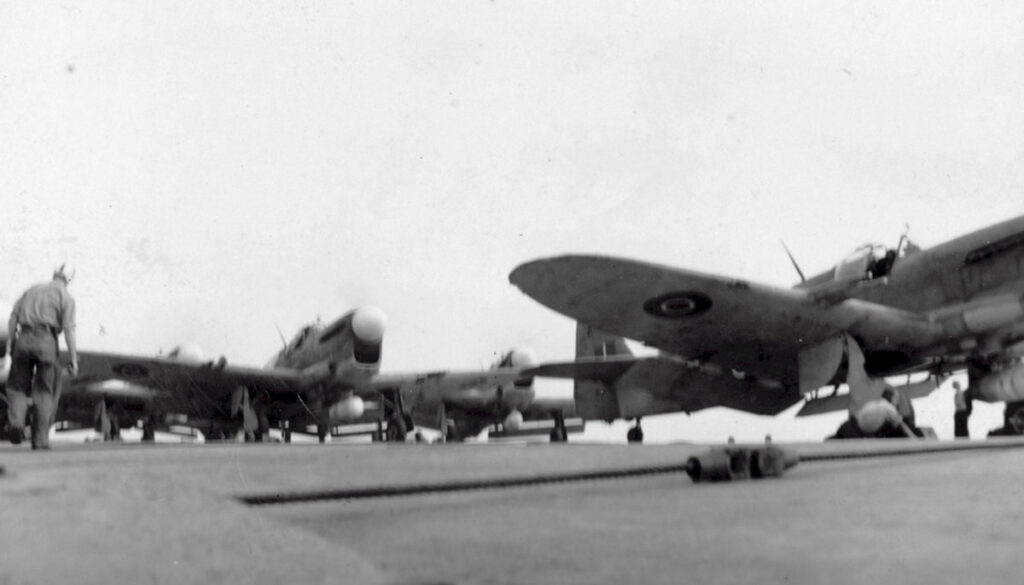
(149, 429)
(557, 436)
(396, 429)
(1015, 417)
(635, 435)
(452, 434)
(321, 432)
(262, 431)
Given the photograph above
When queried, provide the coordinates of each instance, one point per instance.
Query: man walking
(36, 320)
(962, 406)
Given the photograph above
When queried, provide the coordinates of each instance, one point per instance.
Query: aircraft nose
(368, 323)
(523, 357)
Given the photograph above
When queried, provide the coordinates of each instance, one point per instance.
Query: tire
(396, 429)
(1015, 418)
(557, 436)
(635, 435)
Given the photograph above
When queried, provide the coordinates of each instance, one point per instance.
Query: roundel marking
(677, 305)
(130, 370)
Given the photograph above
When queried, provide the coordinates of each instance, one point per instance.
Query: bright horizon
(217, 171)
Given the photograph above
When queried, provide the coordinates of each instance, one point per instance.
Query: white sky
(216, 169)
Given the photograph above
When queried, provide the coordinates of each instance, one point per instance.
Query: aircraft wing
(439, 385)
(213, 380)
(751, 328)
(212, 383)
(603, 368)
(838, 402)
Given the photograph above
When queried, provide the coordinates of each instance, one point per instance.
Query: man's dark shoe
(15, 436)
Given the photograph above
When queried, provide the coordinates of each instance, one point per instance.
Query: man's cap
(65, 273)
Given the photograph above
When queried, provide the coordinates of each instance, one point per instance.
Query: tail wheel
(635, 435)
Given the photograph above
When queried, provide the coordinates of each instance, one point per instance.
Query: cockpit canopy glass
(866, 262)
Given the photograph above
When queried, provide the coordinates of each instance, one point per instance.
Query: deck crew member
(962, 405)
(38, 317)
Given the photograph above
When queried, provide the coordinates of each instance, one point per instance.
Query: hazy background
(215, 170)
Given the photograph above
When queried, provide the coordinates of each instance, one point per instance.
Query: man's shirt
(49, 305)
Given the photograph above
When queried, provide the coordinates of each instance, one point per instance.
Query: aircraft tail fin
(592, 343)
(596, 399)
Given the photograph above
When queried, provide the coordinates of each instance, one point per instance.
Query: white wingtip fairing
(369, 323)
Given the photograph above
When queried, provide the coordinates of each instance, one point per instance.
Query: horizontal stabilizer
(591, 343)
(842, 401)
(608, 368)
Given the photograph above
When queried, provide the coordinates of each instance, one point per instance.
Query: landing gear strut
(559, 434)
(149, 428)
(107, 423)
(635, 434)
(396, 429)
(399, 422)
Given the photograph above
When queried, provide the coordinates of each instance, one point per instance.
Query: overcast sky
(216, 170)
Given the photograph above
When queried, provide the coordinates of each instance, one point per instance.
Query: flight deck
(177, 514)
